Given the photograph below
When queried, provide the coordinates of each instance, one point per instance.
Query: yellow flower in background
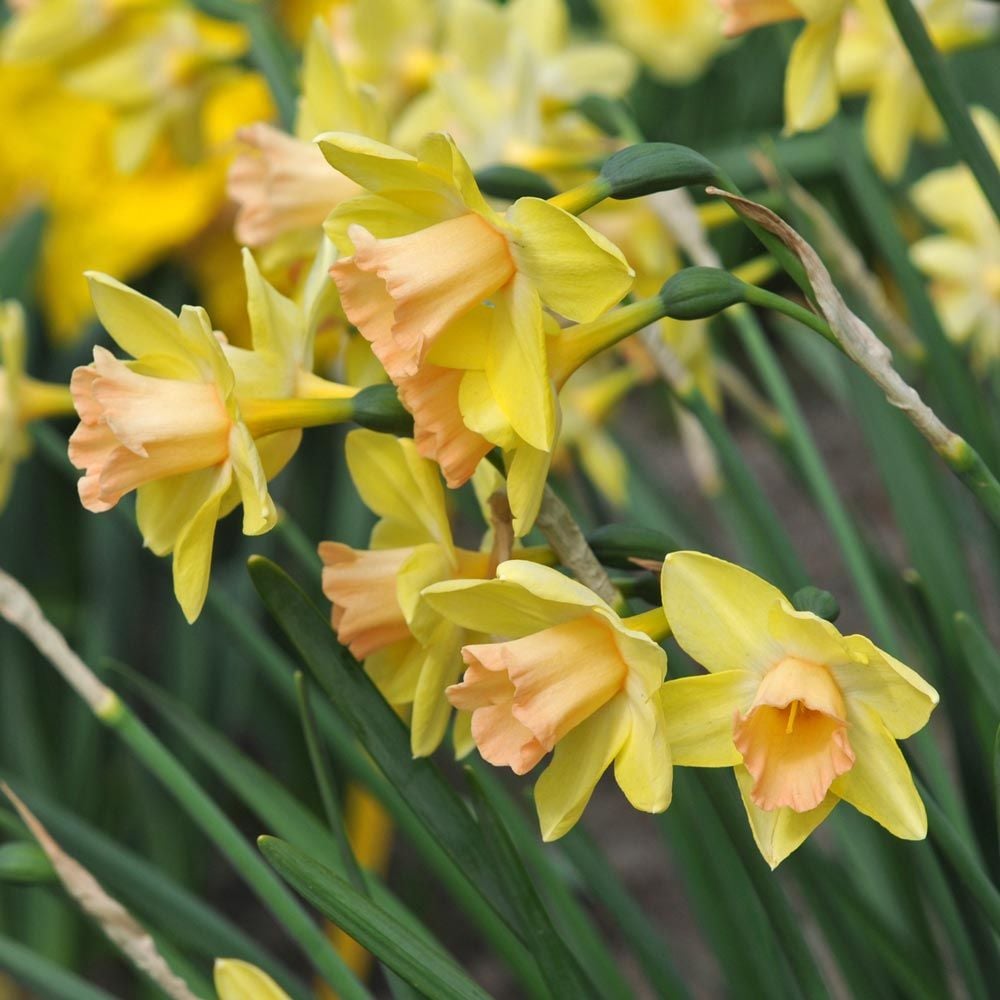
(559, 672)
(963, 262)
(428, 249)
(805, 715)
(409, 651)
(675, 38)
(811, 93)
(873, 60)
(281, 184)
(22, 398)
(238, 980)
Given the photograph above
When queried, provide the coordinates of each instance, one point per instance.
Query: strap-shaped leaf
(426, 969)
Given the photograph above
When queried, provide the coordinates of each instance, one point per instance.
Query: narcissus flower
(807, 716)
(963, 261)
(428, 249)
(811, 94)
(169, 425)
(559, 671)
(22, 399)
(409, 651)
(676, 38)
(872, 60)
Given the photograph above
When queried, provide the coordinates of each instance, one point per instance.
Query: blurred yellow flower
(675, 38)
(807, 716)
(872, 60)
(428, 249)
(963, 262)
(22, 398)
(560, 672)
(409, 651)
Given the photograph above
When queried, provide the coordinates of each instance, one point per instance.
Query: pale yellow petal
(259, 513)
(811, 96)
(806, 636)
(779, 832)
(700, 712)
(164, 507)
(579, 760)
(193, 551)
(431, 709)
(578, 272)
(526, 474)
(238, 980)
(719, 612)
(643, 767)
(880, 784)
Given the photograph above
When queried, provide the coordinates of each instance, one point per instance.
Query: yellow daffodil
(281, 184)
(559, 671)
(811, 93)
(675, 38)
(872, 60)
(22, 399)
(170, 424)
(429, 250)
(157, 77)
(409, 651)
(238, 980)
(807, 716)
(963, 262)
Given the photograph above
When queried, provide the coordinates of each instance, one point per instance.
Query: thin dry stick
(568, 542)
(123, 930)
(23, 612)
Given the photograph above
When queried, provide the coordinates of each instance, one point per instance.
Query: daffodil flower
(22, 399)
(428, 249)
(559, 671)
(805, 715)
(178, 423)
(409, 651)
(675, 38)
(811, 93)
(963, 261)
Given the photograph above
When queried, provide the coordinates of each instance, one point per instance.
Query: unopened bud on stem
(698, 292)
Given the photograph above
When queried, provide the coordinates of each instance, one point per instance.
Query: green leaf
(424, 968)
(558, 966)
(379, 729)
(44, 977)
(982, 659)
(21, 861)
(19, 251)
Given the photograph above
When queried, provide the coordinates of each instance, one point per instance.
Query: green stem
(764, 299)
(947, 98)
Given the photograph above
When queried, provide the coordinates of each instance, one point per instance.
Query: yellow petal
(902, 699)
(276, 323)
(891, 119)
(461, 735)
(136, 323)
(193, 550)
(811, 95)
(238, 980)
(379, 216)
(401, 487)
(880, 784)
(578, 272)
(579, 760)
(719, 612)
(517, 366)
(259, 514)
(525, 598)
(947, 257)
(431, 709)
(806, 636)
(164, 507)
(699, 714)
(526, 474)
(643, 768)
(780, 831)
(427, 564)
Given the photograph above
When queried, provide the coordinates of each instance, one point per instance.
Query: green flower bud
(378, 408)
(511, 183)
(649, 167)
(820, 602)
(697, 292)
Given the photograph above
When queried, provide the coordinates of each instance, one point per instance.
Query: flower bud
(649, 167)
(820, 602)
(697, 292)
(510, 183)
